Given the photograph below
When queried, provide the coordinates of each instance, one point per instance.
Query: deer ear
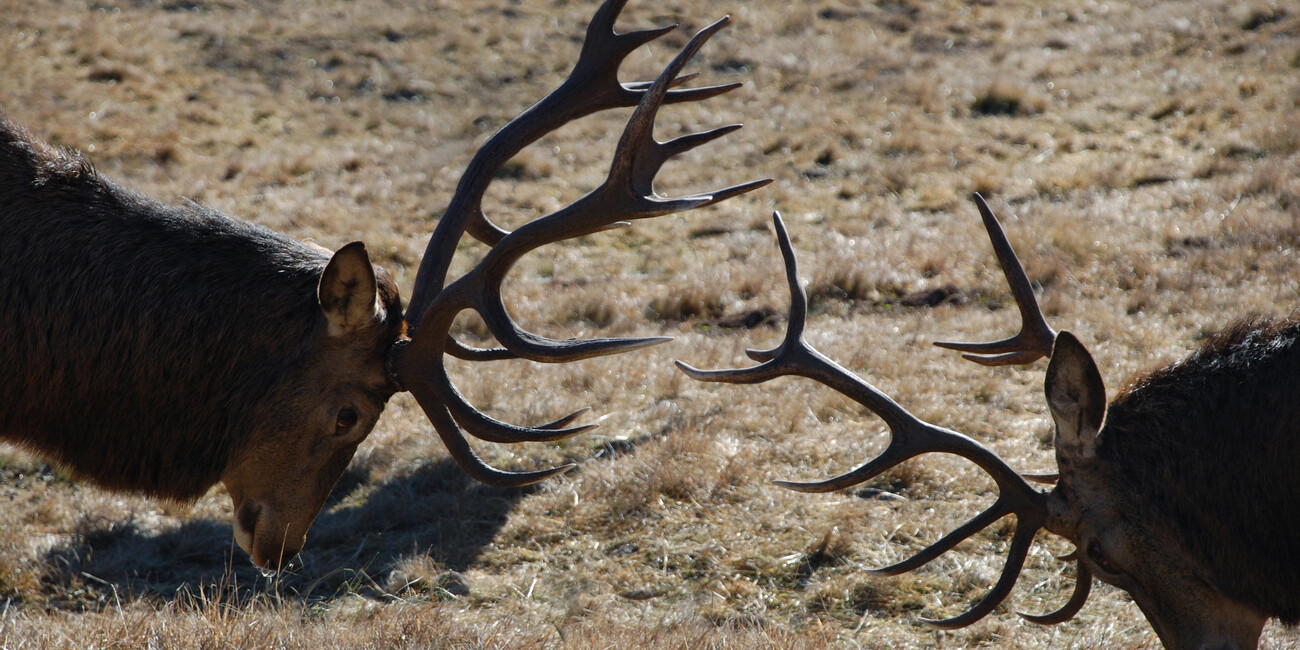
(1077, 398)
(347, 291)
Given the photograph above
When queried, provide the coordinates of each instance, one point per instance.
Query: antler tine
(472, 465)
(690, 141)
(1035, 339)
(1020, 543)
(602, 41)
(909, 437)
(461, 351)
(775, 361)
(566, 420)
(998, 510)
(1082, 587)
(421, 368)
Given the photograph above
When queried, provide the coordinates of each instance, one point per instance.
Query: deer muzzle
(269, 544)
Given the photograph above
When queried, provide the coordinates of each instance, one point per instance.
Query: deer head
(1122, 535)
(281, 479)
(356, 299)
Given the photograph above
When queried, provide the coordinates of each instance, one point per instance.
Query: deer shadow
(351, 549)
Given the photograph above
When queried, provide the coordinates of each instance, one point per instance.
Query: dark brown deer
(162, 349)
(1183, 492)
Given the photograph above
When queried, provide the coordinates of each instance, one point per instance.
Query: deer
(163, 349)
(1181, 491)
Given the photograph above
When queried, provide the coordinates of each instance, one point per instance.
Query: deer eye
(1098, 558)
(346, 419)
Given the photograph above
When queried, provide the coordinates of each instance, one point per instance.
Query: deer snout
(255, 534)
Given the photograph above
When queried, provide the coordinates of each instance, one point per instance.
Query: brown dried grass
(1146, 173)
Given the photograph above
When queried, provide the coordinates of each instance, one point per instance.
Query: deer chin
(1200, 621)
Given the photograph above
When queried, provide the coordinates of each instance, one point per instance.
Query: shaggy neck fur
(1211, 446)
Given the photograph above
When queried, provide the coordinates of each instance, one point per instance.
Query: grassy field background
(1143, 157)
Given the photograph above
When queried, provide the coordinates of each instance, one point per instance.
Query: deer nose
(270, 553)
(245, 525)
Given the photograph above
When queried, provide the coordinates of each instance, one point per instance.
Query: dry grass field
(1143, 156)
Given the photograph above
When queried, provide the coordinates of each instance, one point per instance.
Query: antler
(627, 194)
(910, 436)
(592, 86)
(1036, 337)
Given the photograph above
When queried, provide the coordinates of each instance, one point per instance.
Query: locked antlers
(627, 194)
(911, 437)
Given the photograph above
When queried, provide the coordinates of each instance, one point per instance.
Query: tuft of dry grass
(1142, 159)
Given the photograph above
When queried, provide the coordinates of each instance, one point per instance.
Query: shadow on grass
(351, 549)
